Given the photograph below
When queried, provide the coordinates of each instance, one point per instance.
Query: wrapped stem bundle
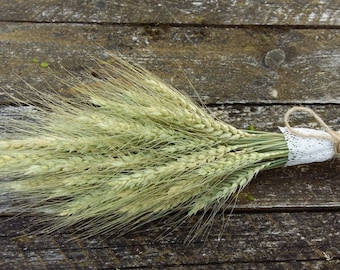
(124, 150)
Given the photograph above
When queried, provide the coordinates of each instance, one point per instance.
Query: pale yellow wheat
(124, 150)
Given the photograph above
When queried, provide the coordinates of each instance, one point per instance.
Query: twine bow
(333, 136)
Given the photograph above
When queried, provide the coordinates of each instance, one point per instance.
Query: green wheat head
(124, 150)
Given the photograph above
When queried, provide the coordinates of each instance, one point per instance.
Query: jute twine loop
(333, 136)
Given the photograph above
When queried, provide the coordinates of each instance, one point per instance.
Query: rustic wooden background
(249, 61)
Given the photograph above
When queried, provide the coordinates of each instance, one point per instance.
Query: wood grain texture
(249, 61)
(213, 12)
(223, 65)
(248, 241)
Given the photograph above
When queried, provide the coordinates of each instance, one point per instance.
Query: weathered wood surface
(213, 12)
(249, 63)
(226, 66)
(295, 240)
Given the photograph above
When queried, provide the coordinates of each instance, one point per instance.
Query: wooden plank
(232, 12)
(270, 116)
(309, 239)
(224, 65)
(314, 186)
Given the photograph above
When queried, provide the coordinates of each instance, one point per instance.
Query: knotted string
(333, 136)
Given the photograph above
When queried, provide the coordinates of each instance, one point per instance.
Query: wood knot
(274, 58)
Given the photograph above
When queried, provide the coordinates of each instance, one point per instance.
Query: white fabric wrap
(303, 150)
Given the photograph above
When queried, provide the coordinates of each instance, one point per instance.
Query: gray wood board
(214, 12)
(223, 65)
(247, 241)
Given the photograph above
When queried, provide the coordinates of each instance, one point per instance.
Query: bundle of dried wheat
(127, 149)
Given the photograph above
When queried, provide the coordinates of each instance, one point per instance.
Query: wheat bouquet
(128, 148)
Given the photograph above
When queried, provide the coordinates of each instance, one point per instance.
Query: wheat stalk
(124, 150)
